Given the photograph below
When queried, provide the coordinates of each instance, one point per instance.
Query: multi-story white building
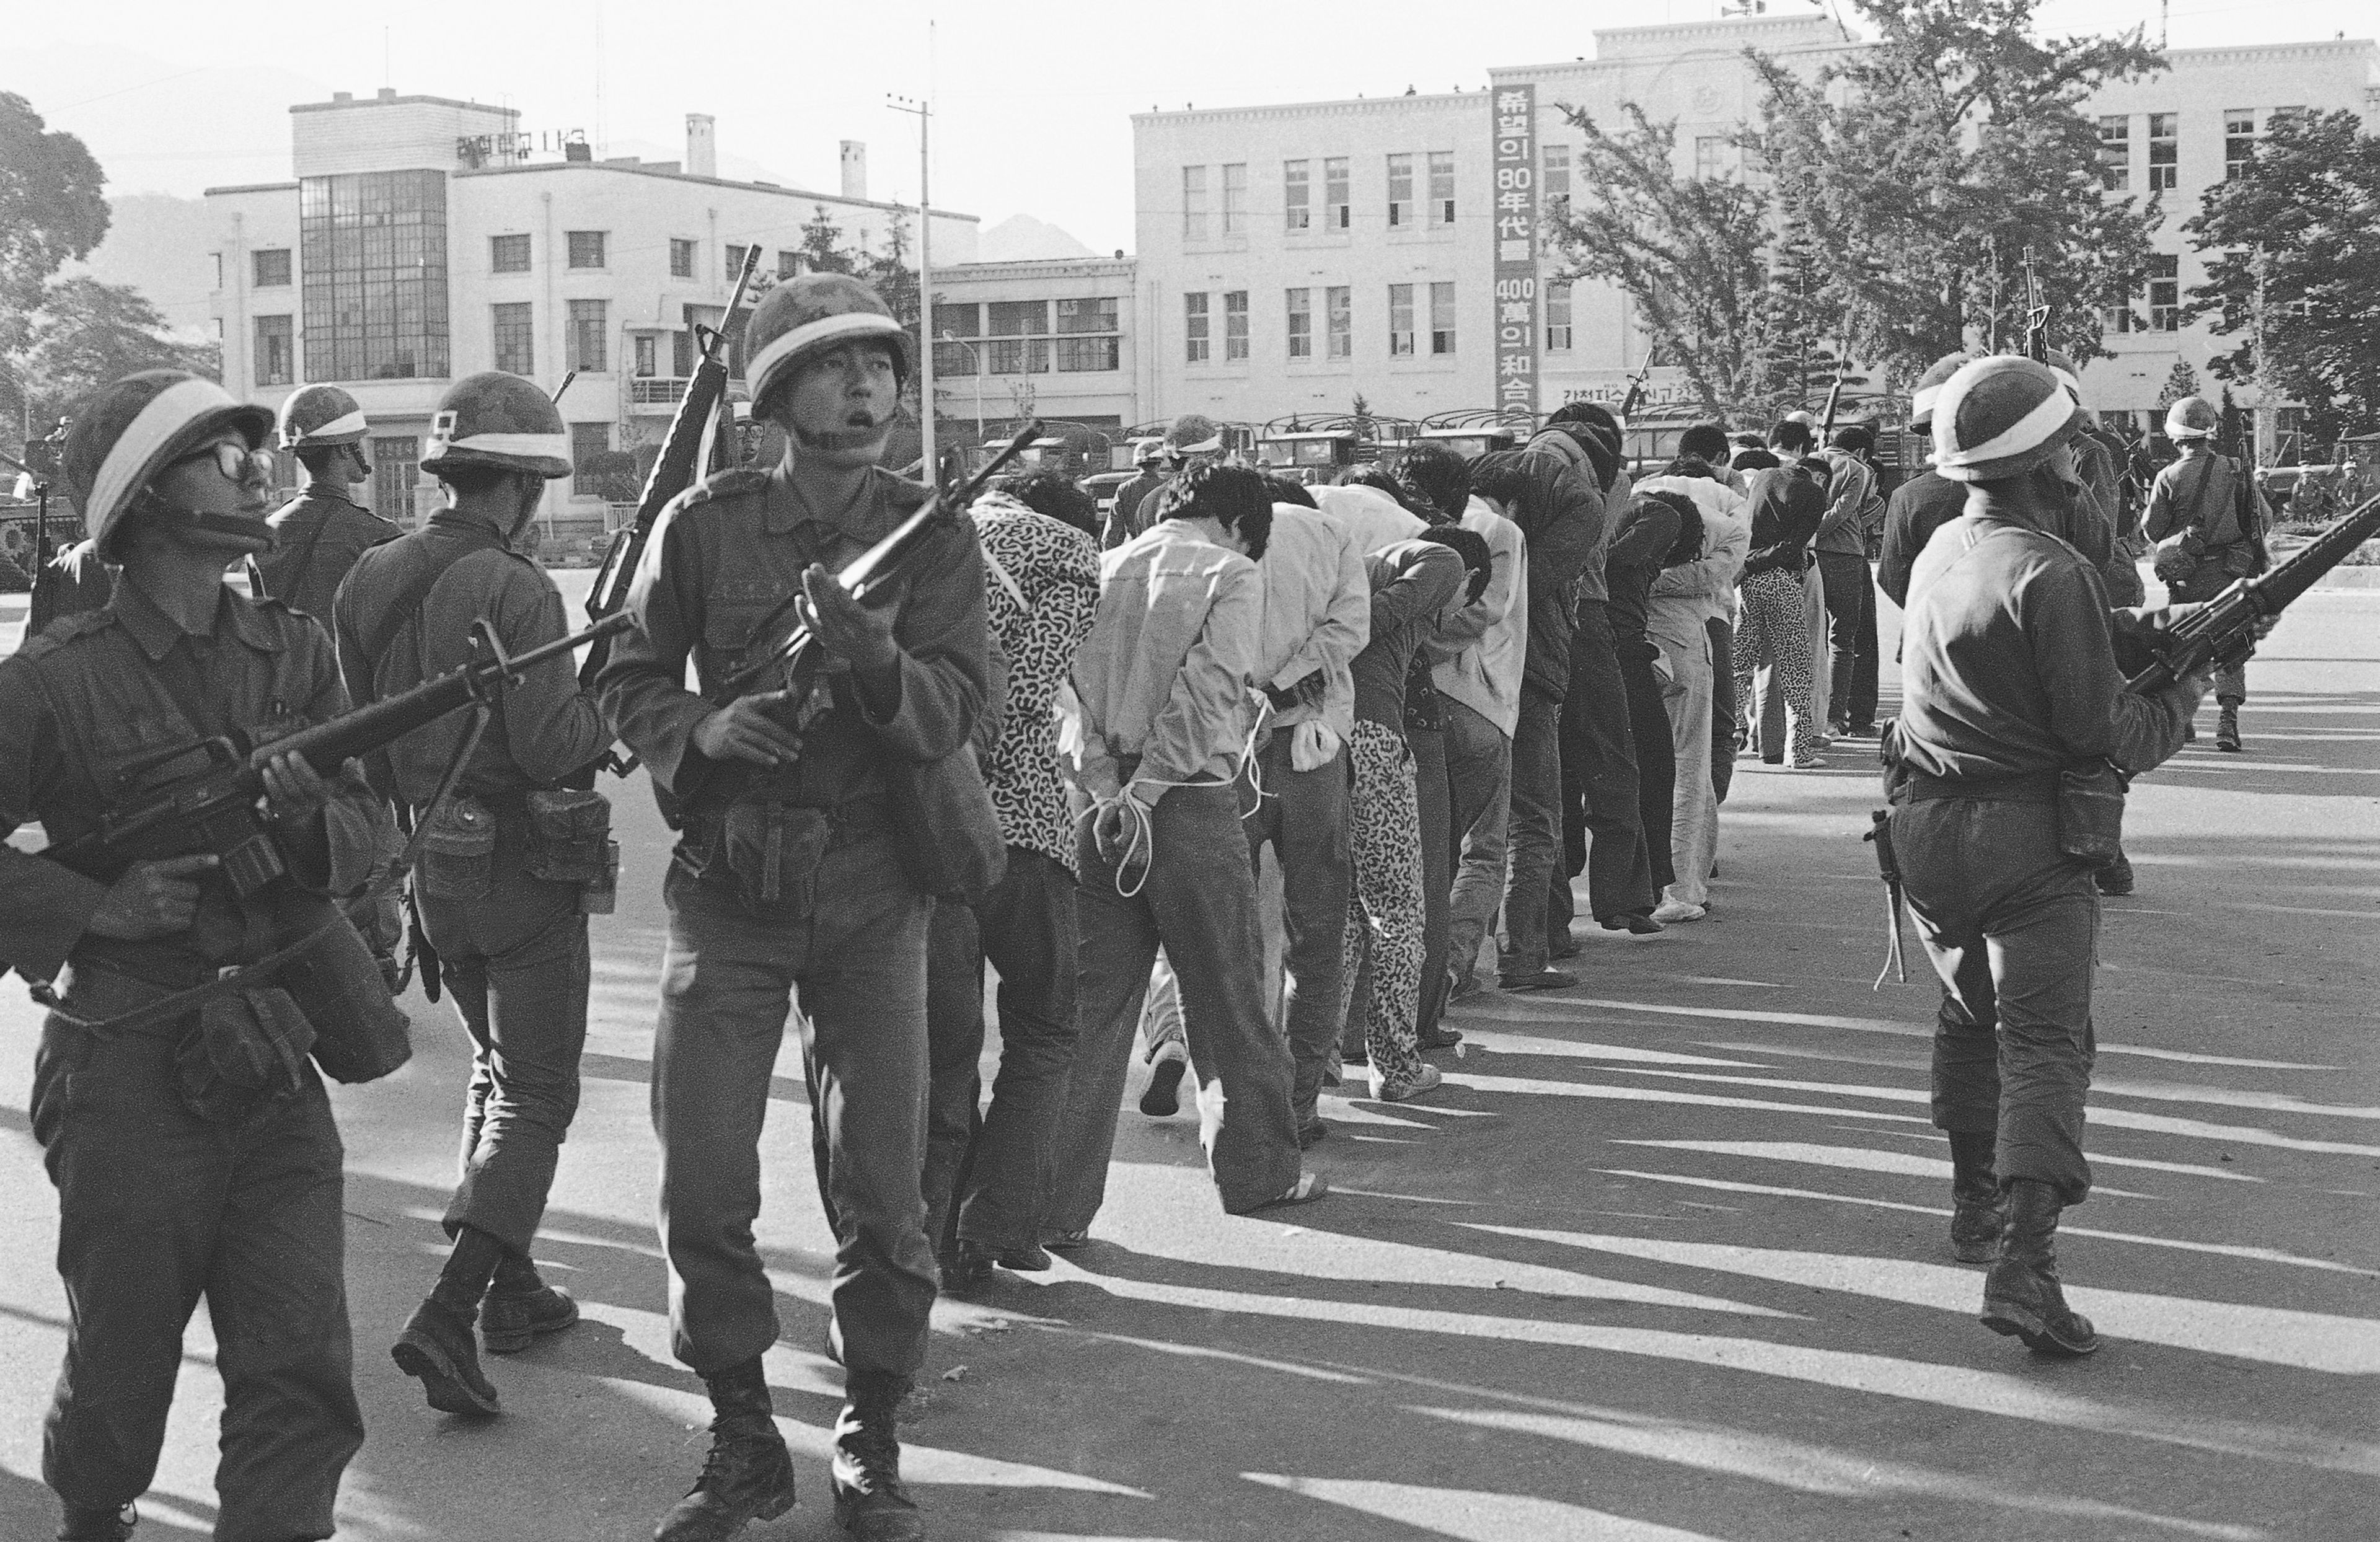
(425, 239)
(1055, 339)
(1295, 257)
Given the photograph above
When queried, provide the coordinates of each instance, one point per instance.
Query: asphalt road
(1665, 1260)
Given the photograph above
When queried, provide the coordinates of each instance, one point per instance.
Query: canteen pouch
(248, 1049)
(360, 1035)
(458, 850)
(569, 836)
(774, 850)
(2091, 813)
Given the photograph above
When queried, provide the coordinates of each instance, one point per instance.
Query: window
(270, 267)
(218, 256)
(515, 339)
(2165, 292)
(1710, 157)
(1401, 190)
(1194, 203)
(508, 254)
(372, 268)
(735, 264)
(585, 340)
(1235, 324)
(2118, 317)
(1401, 320)
(1441, 318)
(649, 351)
(1091, 315)
(957, 320)
(587, 248)
(1087, 355)
(1020, 329)
(1336, 211)
(681, 258)
(1018, 319)
(2116, 152)
(1442, 186)
(1557, 317)
(1296, 195)
(788, 262)
(394, 474)
(1194, 327)
(1300, 324)
(2238, 144)
(2165, 150)
(1338, 321)
(1235, 200)
(1556, 183)
(587, 441)
(275, 349)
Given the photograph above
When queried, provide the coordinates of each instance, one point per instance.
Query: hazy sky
(1033, 99)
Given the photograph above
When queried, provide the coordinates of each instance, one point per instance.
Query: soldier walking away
(787, 874)
(1124, 520)
(508, 860)
(2006, 776)
(2205, 525)
(174, 1183)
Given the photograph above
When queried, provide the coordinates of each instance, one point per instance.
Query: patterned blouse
(1042, 592)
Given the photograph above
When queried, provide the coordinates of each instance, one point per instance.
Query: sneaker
(975, 1259)
(1163, 1098)
(510, 1320)
(1308, 1188)
(1541, 979)
(1441, 1038)
(1390, 1089)
(1670, 912)
(1464, 985)
(436, 1350)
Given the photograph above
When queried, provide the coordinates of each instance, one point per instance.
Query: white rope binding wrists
(1140, 841)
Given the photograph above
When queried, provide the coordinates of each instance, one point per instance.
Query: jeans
(1199, 900)
(1724, 707)
(1694, 807)
(727, 979)
(1850, 611)
(514, 960)
(2011, 924)
(1304, 817)
(1657, 766)
(1536, 829)
(158, 1208)
(1479, 783)
(1602, 806)
(1434, 800)
(986, 1174)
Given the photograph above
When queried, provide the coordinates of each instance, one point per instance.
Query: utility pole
(924, 112)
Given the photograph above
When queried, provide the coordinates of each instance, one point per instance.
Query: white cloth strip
(850, 324)
(2018, 437)
(352, 422)
(556, 445)
(167, 414)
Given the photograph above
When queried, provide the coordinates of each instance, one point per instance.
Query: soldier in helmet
(2205, 523)
(319, 534)
(498, 887)
(169, 1190)
(2013, 710)
(1124, 520)
(786, 876)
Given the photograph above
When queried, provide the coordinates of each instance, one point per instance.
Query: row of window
(1028, 337)
(1429, 174)
(1409, 306)
(2164, 298)
(2240, 138)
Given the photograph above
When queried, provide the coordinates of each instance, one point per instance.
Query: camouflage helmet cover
(321, 416)
(500, 421)
(810, 314)
(129, 431)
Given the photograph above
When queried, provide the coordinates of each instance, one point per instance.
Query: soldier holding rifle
(787, 875)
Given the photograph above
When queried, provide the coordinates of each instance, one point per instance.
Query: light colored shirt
(1687, 598)
(1317, 605)
(1372, 518)
(1851, 504)
(1482, 646)
(1163, 677)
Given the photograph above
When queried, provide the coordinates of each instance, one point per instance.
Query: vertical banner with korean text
(1514, 117)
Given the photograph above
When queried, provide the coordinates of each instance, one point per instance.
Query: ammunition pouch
(359, 1034)
(774, 851)
(248, 1050)
(570, 837)
(2091, 813)
(458, 850)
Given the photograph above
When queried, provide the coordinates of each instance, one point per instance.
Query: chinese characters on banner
(1514, 119)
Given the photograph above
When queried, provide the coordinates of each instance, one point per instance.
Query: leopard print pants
(1384, 909)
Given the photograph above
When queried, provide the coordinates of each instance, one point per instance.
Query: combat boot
(747, 1477)
(2021, 1297)
(520, 1306)
(869, 1501)
(98, 1524)
(2226, 728)
(435, 1349)
(1979, 1206)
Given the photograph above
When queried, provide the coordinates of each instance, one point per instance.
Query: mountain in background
(161, 246)
(1023, 239)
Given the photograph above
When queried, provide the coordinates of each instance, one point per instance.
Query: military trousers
(158, 1208)
(728, 977)
(2011, 924)
(512, 952)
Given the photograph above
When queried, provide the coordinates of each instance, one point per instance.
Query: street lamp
(975, 360)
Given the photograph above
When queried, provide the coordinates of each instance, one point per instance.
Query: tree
(2296, 238)
(822, 251)
(1927, 166)
(84, 335)
(2180, 382)
(51, 211)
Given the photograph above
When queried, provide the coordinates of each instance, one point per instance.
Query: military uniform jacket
(96, 691)
(317, 537)
(543, 728)
(721, 557)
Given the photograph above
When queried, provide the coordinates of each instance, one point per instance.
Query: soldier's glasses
(239, 467)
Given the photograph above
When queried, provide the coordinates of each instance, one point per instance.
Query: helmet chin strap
(251, 535)
(843, 446)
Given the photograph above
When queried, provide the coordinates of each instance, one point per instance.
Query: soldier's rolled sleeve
(945, 665)
(44, 908)
(551, 726)
(642, 688)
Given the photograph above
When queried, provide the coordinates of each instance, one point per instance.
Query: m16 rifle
(2224, 630)
(1635, 390)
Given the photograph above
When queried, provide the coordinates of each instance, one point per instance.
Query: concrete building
(1055, 339)
(425, 239)
(1294, 258)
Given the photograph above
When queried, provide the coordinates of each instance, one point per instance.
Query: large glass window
(1442, 186)
(508, 254)
(1441, 318)
(1338, 321)
(1194, 203)
(372, 270)
(270, 267)
(1401, 320)
(588, 333)
(2165, 150)
(1195, 322)
(1558, 337)
(1300, 324)
(1296, 195)
(274, 350)
(1401, 190)
(1235, 324)
(394, 470)
(1235, 199)
(588, 247)
(2165, 292)
(2116, 152)
(1335, 211)
(515, 339)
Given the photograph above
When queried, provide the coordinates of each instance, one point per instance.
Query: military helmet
(2001, 417)
(805, 316)
(1148, 452)
(1929, 388)
(1193, 433)
(498, 421)
(320, 418)
(2192, 417)
(127, 432)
